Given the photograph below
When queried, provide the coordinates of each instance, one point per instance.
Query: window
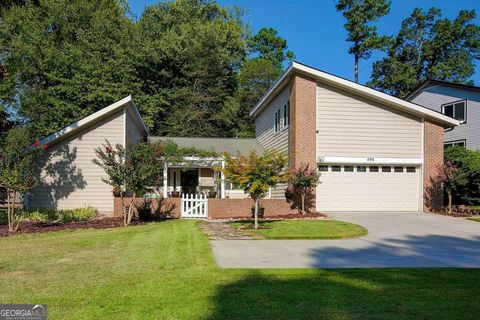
(373, 169)
(461, 143)
(348, 168)
(336, 168)
(276, 126)
(286, 115)
(323, 168)
(411, 169)
(386, 169)
(457, 110)
(361, 169)
(398, 169)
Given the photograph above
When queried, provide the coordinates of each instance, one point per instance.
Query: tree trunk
(256, 213)
(449, 192)
(16, 223)
(302, 196)
(124, 211)
(356, 68)
(130, 209)
(9, 211)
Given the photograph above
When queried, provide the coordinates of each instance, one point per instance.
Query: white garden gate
(194, 206)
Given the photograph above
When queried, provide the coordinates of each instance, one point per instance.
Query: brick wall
(218, 208)
(303, 105)
(169, 206)
(433, 157)
(242, 208)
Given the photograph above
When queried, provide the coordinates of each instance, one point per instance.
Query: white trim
(368, 160)
(92, 118)
(357, 89)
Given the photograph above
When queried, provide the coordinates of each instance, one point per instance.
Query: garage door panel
(368, 191)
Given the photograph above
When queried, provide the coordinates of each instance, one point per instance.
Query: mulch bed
(454, 214)
(40, 227)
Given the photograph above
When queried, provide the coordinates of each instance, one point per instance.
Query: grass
(304, 229)
(473, 207)
(474, 219)
(166, 271)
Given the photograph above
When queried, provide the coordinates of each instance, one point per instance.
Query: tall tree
(360, 14)
(429, 47)
(267, 54)
(190, 54)
(64, 59)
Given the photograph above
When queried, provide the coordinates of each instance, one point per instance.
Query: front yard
(166, 271)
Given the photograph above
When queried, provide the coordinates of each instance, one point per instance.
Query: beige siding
(134, 129)
(264, 125)
(69, 178)
(351, 126)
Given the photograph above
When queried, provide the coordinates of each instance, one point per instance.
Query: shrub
(80, 214)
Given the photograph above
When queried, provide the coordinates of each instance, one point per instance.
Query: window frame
(370, 169)
(323, 166)
(465, 108)
(386, 171)
(454, 143)
(277, 121)
(285, 115)
(349, 167)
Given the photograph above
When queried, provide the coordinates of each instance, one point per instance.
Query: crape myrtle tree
(428, 46)
(452, 178)
(19, 168)
(302, 181)
(360, 15)
(255, 173)
(131, 170)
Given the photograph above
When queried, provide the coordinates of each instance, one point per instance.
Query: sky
(314, 29)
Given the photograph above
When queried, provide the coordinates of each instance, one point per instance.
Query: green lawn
(474, 219)
(166, 271)
(305, 229)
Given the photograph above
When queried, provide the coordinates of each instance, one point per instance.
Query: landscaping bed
(40, 227)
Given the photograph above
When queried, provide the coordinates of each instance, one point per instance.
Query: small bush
(38, 215)
(80, 214)
(3, 216)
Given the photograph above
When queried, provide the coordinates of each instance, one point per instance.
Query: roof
(431, 82)
(93, 118)
(350, 86)
(218, 145)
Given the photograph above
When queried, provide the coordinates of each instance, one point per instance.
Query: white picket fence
(194, 206)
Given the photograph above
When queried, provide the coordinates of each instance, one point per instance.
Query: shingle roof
(219, 145)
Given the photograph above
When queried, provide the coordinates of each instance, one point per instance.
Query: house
(374, 151)
(458, 101)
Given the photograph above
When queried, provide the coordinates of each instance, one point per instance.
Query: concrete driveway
(407, 239)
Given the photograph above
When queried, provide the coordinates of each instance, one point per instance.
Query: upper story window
(276, 125)
(286, 115)
(456, 110)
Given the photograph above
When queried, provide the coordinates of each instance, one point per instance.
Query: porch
(198, 179)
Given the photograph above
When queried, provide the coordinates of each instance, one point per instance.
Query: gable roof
(218, 145)
(93, 118)
(350, 86)
(431, 82)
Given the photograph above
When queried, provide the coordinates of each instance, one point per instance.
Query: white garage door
(368, 188)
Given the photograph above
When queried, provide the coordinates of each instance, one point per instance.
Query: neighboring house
(458, 101)
(374, 151)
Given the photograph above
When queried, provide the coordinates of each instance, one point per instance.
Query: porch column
(165, 180)
(222, 179)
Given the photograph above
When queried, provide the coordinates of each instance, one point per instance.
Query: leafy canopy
(428, 47)
(255, 173)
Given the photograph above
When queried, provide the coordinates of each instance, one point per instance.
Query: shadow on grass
(351, 294)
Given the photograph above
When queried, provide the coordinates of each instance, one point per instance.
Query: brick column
(303, 131)
(433, 157)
